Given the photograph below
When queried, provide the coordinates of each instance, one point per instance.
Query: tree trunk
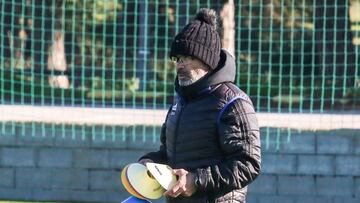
(56, 59)
(15, 29)
(227, 15)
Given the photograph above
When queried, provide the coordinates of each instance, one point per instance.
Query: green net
(292, 56)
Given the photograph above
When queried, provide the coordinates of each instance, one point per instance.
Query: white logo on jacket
(173, 110)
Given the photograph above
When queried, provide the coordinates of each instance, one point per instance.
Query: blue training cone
(133, 199)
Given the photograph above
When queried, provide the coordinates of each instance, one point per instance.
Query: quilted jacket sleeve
(239, 140)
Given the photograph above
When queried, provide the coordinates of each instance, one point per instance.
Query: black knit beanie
(199, 39)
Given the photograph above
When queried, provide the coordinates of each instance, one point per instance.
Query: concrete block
(334, 186)
(113, 137)
(312, 198)
(346, 199)
(70, 179)
(36, 140)
(357, 187)
(347, 165)
(15, 194)
(264, 184)
(120, 158)
(316, 164)
(143, 138)
(31, 178)
(71, 195)
(105, 180)
(34, 135)
(251, 198)
(287, 141)
(47, 178)
(294, 185)
(92, 158)
(7, 178)
(332, 143)
(271, 139)
(55, 157)
(8, 129)
(73, 137)
(7, 140)
(51, 195)
(18, 157)
(357, 144)
(278, 164)
(345, 132)
(88, 196)
(299, 142)
(275, 198)
(119, 196)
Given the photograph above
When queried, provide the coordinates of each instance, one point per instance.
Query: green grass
(24, 202)
(6, 201)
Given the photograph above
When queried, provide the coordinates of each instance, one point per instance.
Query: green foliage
(276, 50)
(92, 12)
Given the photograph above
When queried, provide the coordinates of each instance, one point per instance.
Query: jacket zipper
(182, 107)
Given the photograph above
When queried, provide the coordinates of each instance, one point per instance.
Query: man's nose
(179, 66)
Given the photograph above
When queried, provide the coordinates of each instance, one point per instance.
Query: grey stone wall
(72, 163)
(314, 167)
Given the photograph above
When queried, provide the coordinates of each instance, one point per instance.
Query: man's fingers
(175, 192)
(180, 188)
(175, 189)
(178, 192)
(177, 172)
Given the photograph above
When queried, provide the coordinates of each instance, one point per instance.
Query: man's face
(189, 69)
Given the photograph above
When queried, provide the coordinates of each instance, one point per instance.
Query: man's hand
(185, 185)
(144, 161)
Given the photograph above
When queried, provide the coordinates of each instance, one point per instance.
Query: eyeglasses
(176, 59)
(181, 59)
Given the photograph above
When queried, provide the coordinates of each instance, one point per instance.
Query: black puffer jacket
(212, 131)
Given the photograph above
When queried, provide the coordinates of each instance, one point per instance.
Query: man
(210, 136)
